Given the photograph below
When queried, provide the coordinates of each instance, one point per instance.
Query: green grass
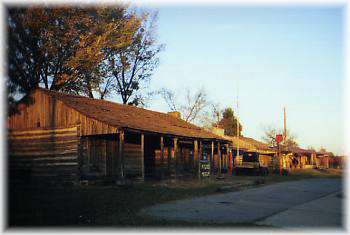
(118, 206)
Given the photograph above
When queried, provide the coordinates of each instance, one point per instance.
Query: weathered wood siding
(175, 166)
(99, 157)
(44, 154)
(132, 160)
(47, 112)
(265, 160)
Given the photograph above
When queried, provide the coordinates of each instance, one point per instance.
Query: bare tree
(211, 117)
(192, 105)
(270, 137)
(169, 98)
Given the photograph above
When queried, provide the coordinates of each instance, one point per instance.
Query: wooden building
(322, 160)
(301, 158)
(336, 162)
(72, 137)
(267, 155)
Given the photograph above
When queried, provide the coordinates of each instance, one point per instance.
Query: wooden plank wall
(265, 160)
(43, 154)
(132, 160)
(181, 165)
(99, 157)
(47, 112)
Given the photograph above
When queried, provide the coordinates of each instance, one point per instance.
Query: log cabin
(70, 137)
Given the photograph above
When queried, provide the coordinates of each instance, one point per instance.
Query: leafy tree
(132, 65)
(40, 40)
(112, 29)
(229, 123)
(75, 50)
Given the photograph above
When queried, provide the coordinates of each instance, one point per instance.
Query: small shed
(72, 137)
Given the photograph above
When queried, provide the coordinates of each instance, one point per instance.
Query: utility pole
(237, 155)
(285, 125)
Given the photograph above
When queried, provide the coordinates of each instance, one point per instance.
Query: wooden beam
(227, 158)
(212, 157)
(162, 149)
(175, 155)
(121, 153)
(105, 155)
(195, 153)
(143, 155)
(219, 155)
(169, 157)
(199, 157)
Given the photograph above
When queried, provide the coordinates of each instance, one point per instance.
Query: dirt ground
(118, 206)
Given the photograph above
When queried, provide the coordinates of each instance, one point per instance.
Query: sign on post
(204, 166)
(279, 138)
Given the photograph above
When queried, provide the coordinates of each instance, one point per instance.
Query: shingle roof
(250, 144)
(258, 144)
(126, 116)
(299, 150)
(241, 143)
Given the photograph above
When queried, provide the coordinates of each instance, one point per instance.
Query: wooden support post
(200, 152)
(212, 157)
(195, 154)
(121, 153)
(227, 158)
(162, 149)
(143, 155)
(175, 148)
(162, 168)
(219, 155)
(175, 155)
(169, 158)
(105, 156)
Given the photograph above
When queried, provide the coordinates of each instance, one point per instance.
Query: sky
(276, 56)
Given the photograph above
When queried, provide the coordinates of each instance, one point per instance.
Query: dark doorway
(152, 142)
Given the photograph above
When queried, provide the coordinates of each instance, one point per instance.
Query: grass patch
(112, 205)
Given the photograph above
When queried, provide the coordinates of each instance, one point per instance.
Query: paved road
(262, 205)
(323, 212)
